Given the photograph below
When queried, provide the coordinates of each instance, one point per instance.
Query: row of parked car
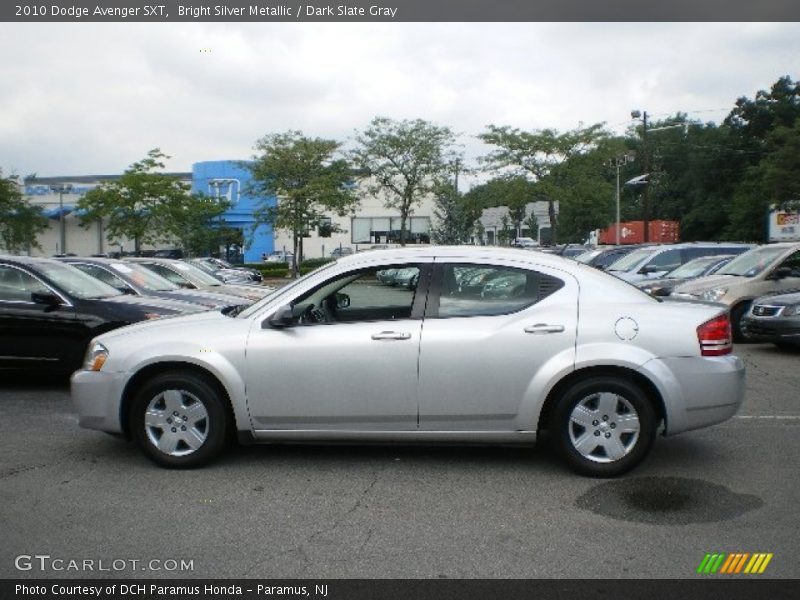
(759, 284)
(51, 308)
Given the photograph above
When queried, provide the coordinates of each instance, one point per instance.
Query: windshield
(75, 282)
(195, 274)
(143, 277)
(693, 268)
(629, 261)
(753, 262)
(588, 255)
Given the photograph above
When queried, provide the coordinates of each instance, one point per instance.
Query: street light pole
(619, 161)
(63, 188)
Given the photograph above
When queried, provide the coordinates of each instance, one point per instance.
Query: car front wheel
(603, 426)
(179, 420)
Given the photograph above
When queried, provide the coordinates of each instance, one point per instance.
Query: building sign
(784, 226)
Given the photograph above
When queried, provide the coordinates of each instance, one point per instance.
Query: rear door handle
(391, 335)
(541, 328)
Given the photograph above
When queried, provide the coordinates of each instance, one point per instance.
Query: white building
(492, 221)
(373, 224)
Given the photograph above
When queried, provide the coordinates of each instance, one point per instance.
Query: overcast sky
(84, 98)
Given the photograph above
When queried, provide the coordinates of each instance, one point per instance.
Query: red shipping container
(632, 232)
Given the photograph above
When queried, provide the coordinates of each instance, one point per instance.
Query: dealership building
(372, 224)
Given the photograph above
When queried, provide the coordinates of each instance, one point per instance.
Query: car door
(33, 334)
(483, 345)
(347, 362)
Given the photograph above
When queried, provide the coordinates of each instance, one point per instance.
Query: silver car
(599, 364)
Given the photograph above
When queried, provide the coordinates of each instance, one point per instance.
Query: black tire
(185, 409)
(737, 315)
(603, 426)
(787, 346)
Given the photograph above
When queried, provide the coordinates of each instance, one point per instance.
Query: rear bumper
(698, 391)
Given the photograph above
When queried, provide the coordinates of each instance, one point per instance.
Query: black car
(135, 279)
(774, 319)
(50, 311)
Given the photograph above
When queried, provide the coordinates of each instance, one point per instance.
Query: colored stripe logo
(734, 563)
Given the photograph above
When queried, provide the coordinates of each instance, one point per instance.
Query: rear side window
(483, 290)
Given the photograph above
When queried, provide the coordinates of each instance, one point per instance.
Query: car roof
(468, 253)
(29, 260)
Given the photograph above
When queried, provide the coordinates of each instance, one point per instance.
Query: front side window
(375, 294)
(792, 262)
(484, 290)
(17, 286)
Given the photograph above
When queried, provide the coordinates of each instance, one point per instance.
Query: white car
(567, 348)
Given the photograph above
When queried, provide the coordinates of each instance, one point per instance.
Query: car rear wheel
(179, 420)
(603, 426)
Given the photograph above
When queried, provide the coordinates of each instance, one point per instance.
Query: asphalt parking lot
(411, 512)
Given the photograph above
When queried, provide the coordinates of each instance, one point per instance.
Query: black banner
(399, 10)
(392, 589)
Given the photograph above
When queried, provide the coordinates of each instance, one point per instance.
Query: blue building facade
(231, 179)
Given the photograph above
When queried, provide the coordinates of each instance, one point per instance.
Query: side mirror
(647, 269)
(282, 318)
(342, 300)
(45, 298)
(781, 273)
(187, 286)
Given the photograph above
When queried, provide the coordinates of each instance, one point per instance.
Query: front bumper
(772, 329)
(96, 396)
(698, 391)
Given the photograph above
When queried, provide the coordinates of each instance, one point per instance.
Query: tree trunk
(551, 212)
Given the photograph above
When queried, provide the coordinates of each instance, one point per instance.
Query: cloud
(86, 98)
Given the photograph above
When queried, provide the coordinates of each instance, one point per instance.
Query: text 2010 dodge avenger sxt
(341, 356)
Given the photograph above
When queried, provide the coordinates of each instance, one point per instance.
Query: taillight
(715, 336)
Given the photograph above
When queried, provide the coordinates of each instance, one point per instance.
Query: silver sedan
(338, 356)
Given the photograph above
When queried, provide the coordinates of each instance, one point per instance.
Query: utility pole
(635, 114)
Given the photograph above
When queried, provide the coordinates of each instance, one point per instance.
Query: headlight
(714, 295)
(791, 310)
(96, 357)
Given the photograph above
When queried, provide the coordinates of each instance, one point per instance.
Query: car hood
(210, 299)
(161, 328)
(701, 284)
(660, 282)
(154, 303)
(779, 299)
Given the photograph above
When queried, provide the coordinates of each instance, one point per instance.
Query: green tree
(532, 223)
(404, 162)
(309, 181)
(197, 224)
(140, 205)
(541, 155)
(506, 234)
(454, 220)
(20, 222)
(774, 181)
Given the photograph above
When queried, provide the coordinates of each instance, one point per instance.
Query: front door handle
(541, 328)
(391, 335)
